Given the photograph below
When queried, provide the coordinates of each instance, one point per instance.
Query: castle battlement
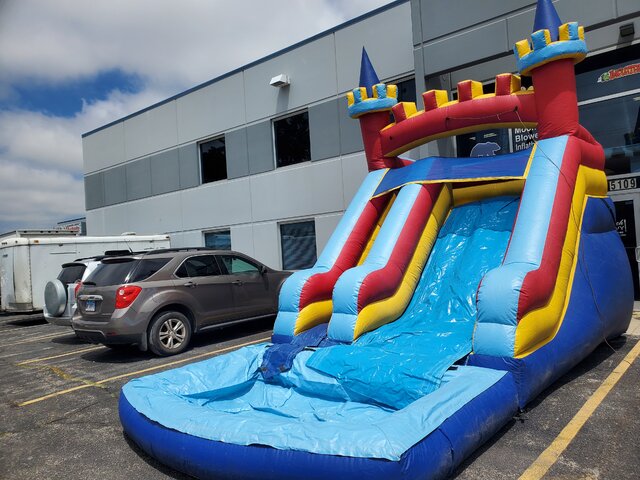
(383, 99)
(542, 49)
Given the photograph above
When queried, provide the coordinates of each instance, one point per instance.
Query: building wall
(142, 173)
(466, 39)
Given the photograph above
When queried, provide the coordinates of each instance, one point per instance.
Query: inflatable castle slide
(452, 292)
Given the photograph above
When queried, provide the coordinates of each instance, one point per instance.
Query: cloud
(41, 159)
(38, 195)
(169, 45)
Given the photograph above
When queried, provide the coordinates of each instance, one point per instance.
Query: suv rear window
(111, 272)
(147, 267)
(71, 272)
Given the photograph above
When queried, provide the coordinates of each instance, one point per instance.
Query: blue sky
(70, 66)
(65, 99)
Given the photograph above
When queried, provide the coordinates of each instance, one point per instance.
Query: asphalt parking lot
(59, 419)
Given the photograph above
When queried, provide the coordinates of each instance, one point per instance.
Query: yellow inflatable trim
(465, 195)
(312, 315)
(320, 312)
(374, 234)
(389, 309)
(539, 327)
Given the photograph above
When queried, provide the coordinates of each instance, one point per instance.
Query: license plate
(90, 306)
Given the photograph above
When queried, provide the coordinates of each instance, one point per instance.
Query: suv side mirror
(263, 270)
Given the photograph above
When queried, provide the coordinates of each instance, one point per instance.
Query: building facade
(264, 159)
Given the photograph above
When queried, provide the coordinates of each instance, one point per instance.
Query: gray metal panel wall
(115, 186)
(189, 167)
(441, 17)
(350, 135)
(468, 47)
(138, 176)
(236, 152)
(416, 22)
(211, 109)
(165, 172)
(94, 191)
(151, 131)
(627, 7)
(466, 33)
(324, 130)
(103, 149)
(312, 70)
(521, 25)
(387, 38)
(260, 148)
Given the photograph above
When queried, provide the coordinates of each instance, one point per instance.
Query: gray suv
(158, 299)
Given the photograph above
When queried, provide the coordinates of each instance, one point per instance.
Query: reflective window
(298, 243)
(407, 90)
(485, 143)
(220, 240)
(199, 266)
(213, 160)
(291, 136)
(235, 265)
(111, 272)
(147, 267)
(71, 272)
(615, 123)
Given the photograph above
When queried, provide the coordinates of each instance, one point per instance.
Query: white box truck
(27, 263)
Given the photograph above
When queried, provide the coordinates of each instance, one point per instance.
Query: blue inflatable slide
(452, 292)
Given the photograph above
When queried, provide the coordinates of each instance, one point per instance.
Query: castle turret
(549, 59)
(371, 103)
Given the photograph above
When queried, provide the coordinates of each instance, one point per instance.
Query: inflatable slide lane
(452, 292)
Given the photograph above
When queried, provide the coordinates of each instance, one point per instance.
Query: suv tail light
(76, 288)
(126, 294)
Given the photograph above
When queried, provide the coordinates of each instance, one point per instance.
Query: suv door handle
(190, 284)
(237, 282)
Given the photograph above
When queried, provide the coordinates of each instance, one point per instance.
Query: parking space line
(35, 360)
(548, 458)
(18, 329)
(138, 372)
(35, 339)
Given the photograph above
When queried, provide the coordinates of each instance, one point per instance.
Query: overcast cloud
(167, 46)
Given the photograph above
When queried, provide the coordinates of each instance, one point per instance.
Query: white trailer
(28, 263)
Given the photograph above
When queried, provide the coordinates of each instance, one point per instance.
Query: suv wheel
(169, 334)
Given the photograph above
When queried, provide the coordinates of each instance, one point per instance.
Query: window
(213, 160)
(406, 93)
(615, 123)
(200, 266)
(291, 136)
(236, 265)
(71, 272)
(407, 90)
(484, 143)
(609, 105)
(220, 240)
(111, 272)
(147, 267)
(298, 243)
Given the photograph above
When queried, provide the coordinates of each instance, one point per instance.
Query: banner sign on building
(621, 72)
